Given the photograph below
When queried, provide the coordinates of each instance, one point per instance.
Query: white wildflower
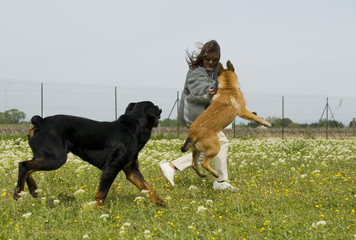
(27, 215)
(139, 199)
(79, 191)
(201, 209)
(145, 191)
(147, 234)
(316, 171)
(303, 175)
(22, 193)
(86, 236)
(209, 202)
(90, 203)
(38, 190)
(104, 216)
(56, 201)
(191, 226)
(193, 188)
(126, 224)
(320, 223)
(88, 206)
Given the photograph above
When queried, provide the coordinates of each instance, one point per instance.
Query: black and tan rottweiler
(110, 146)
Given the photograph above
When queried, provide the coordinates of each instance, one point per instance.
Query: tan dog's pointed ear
(220, 68)
(230, 66)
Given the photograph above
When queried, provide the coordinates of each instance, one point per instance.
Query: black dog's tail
(36, 121)
(187, 144)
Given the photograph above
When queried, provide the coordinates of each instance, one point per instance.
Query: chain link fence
(102, 103)
(107, 103)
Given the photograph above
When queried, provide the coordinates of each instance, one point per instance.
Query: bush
(12, 116)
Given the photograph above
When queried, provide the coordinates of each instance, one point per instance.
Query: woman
(199, 88)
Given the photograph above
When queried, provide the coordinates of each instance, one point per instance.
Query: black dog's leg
(36, 164)
(134, 175)
(107, 178)
(32, 186)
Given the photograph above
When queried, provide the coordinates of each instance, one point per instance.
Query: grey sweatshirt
(196, 96)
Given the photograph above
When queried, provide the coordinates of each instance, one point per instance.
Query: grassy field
(288, 189)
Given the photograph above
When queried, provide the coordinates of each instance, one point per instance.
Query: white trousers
(185, 161)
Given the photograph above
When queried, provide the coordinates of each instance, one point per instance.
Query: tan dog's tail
(187, 144)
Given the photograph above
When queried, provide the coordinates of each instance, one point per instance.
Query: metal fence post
(177, 101)
(115, 103)
(282, 117)
(42, 100)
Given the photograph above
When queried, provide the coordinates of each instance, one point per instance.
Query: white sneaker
(224, 186)
(168, 172)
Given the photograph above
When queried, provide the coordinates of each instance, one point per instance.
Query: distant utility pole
(326, 110)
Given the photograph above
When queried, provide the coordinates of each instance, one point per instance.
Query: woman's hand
(214, 88)
(212, 91)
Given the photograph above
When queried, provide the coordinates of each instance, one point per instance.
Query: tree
(329, 123)
(168, 122)
(279, 122)
(12, 116)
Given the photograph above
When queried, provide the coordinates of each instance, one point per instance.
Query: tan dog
(226, 104)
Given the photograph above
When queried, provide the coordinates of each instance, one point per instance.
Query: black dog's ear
(130, 107)
(230, 66)
(220, 68)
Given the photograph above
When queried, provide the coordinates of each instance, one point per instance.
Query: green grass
(289, 189)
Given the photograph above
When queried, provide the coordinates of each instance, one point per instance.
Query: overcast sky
(277, 46)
